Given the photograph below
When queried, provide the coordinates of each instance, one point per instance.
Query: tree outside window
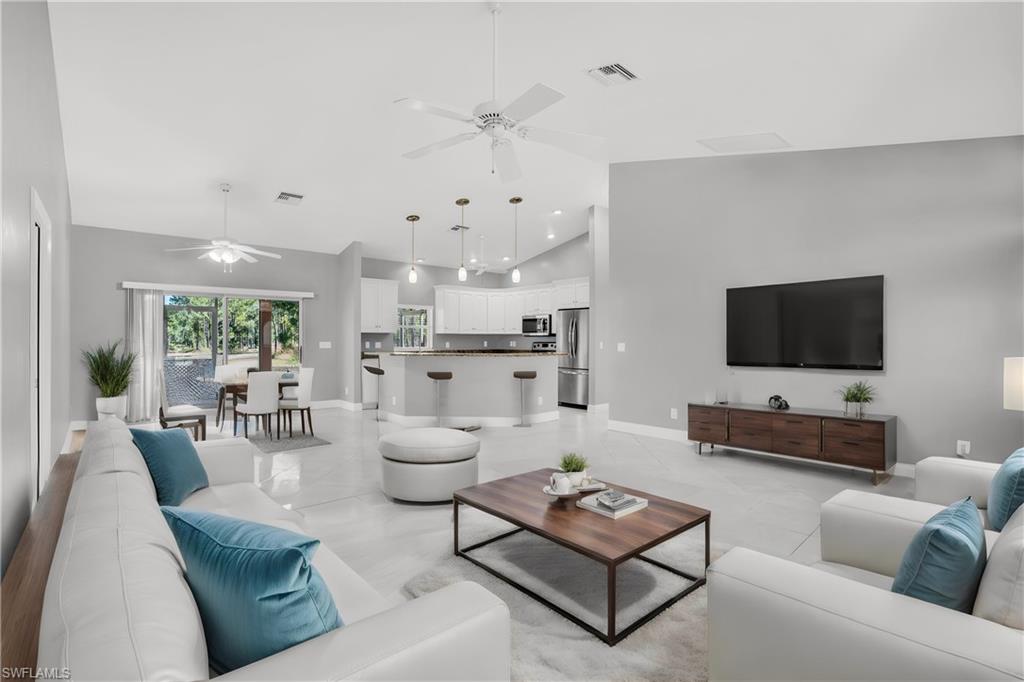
(415, 327)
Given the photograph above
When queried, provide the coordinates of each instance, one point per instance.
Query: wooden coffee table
(520, 501)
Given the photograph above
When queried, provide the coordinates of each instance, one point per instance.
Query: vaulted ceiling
(162, 101)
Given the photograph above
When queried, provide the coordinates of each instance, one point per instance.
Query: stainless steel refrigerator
(572, 331)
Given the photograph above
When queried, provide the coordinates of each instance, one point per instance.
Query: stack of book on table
(612, 503)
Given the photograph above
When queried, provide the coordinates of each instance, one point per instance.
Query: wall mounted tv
(831, 324)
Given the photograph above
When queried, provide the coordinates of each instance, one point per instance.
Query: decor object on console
(777, 402)
(224, 250)
(117, 601)
(843, 621)
(1006, 494)
(173, 464)
(501, 121)
(825, 435)
(856, 396)
(945, 559)
(427, 464)
(111, 374)
(257, 590)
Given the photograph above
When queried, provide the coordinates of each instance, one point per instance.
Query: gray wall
(348, 320)
(942, 221)
(567, 260)
(105, 258)
(33, 156)
(600, 319)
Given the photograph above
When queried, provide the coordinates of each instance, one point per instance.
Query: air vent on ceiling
(289, 198)
(740, 144)
(612, 74)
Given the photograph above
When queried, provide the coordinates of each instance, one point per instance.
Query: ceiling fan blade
(506, 162)
(192, 248)
(448, 142)
(246, 257)
(589, 146)
(536, 99)
(417, 105)
(205, 255)
(248, 249)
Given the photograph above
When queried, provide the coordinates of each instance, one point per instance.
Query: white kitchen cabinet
(546, 302)
(472, 313)
(378, 305)
(572, 293)
(446, 311)
(530, 302)
(496, 303)
(514, 313)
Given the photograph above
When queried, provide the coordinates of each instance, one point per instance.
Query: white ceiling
(161, 102)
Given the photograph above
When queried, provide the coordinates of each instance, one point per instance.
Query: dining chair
(301, 402)
(261, 400)
(223, 374)
(183, 416)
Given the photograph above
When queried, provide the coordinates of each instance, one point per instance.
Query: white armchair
(774, 619)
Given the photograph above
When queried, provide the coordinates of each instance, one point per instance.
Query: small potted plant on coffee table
(111, 373)
(575, 467)
(856, 396)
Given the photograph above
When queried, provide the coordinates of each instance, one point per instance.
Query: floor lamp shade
(1013, 383)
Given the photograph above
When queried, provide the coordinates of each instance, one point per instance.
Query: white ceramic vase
(112, 408)
(577, 477)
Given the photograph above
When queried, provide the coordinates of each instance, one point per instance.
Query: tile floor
(763, 503)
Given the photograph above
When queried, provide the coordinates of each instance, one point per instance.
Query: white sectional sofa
(772, 619)
(117, 606)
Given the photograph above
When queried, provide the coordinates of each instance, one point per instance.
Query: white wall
(33, 157)
(349, 321)
(942, 221)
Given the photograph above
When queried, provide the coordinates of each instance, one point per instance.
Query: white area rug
(546, 646)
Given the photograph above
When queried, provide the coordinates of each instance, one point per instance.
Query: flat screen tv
(831, 324)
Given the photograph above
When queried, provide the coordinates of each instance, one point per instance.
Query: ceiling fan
(224, 250)
(480, 264)
(502, 121)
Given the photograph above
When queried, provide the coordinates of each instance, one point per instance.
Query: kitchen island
(482, 391)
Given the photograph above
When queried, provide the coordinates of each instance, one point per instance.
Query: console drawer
(706, 433)
(796, 445)
(755, 439)
(792, 425)
(869, 454)
(749, 420)
(711, 416)
(853, 429)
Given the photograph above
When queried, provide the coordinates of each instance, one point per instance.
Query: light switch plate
(325, 344)
(447, 344)
(346, 390)
(600, 345)
(366, 344)
(485, 344)
(621, 346)
(393, 400)
(673, 413)
(963, 448)
(376, 344)
(512, 344)
(540, 400)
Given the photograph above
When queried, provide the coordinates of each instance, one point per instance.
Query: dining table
(238, 387)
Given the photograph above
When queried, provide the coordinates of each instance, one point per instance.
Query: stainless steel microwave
(536, 325)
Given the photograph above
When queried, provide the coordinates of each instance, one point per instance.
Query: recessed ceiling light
(551, 236)
(506, 258)
(419, 260)
(557, 211)
(758, 142)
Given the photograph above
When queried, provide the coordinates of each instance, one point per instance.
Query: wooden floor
(25, 580)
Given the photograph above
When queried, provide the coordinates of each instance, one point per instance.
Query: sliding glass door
(191, 325)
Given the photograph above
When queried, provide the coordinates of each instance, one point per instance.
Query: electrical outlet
(394, 401)
(512, 344)
(485, 344)
(600, 345)
(621, 347)
(377, 344)
(346, 390)
(673, 413)
(963, 448)
(367, 344)
(447, 344)
(540, 400)
(325, 344)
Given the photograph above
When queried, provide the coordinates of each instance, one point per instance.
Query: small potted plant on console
(856, 396)
(575, 467)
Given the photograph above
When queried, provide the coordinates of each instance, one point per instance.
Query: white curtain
(146, 340)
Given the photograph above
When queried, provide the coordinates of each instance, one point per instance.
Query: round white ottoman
(427, 465)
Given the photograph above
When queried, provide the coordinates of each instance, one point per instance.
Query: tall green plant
(109, 371)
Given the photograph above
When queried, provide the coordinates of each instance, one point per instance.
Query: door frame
(40, 342)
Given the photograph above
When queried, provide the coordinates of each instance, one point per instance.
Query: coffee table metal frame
(611, 637)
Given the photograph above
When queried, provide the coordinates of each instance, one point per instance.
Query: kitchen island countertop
(482, 352)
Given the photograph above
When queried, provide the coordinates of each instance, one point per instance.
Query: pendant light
(412, 260)
(515, 201)
(461, 227)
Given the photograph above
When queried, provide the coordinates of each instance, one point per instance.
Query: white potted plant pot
(577, 477)
(109, 408)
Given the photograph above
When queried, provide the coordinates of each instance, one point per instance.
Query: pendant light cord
(494, 52)
(515, 208)
(462, 238)
(226, 213)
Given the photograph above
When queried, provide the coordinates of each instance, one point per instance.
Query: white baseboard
(903, 469)
(350, 406)
(600, 407)
(73, 426)
(326, 404)
(421, 421)
(676, 435)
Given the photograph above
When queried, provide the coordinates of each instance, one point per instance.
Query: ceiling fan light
(229, 256)
(412, 275)
(516, 276)
(216, 256)
(463, 274)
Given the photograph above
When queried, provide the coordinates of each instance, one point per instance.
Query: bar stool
(523, 376)
(377, 372)
(438, 377)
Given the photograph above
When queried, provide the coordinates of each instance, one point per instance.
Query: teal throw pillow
(173, 463)
(945, 559)
(255, 586)
(1006, 492)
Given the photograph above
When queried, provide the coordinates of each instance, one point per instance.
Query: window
(415, 327)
